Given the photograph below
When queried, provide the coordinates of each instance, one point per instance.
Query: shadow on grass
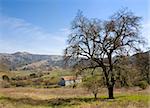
(52, 102)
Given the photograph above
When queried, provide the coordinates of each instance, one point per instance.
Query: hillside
(27, 61)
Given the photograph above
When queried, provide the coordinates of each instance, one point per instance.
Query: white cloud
(17, 34)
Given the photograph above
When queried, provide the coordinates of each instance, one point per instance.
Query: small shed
(69, 80)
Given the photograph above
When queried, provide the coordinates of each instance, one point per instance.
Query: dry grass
(71, 98)
(41, 93)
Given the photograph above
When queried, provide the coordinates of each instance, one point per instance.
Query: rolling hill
(28, 61)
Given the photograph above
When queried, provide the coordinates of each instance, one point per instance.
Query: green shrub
(143, 84)
(93, 84)
(54, 80)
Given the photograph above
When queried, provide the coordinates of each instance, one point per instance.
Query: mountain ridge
(28, 61)
(21, 60)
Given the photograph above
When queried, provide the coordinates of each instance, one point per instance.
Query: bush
(54, 80)
(143, 84)
(93, 84)
(33, 75)
(5, 78)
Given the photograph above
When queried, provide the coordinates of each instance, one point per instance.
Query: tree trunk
(110, 92)
(148, 77)
(95, 96)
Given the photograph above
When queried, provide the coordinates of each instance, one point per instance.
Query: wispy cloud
(18, 34)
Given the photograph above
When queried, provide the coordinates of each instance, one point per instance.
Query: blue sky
(42, 26)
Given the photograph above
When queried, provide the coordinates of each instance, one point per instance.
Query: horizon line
(30, 53)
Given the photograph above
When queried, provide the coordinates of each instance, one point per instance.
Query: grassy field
(72, 98)
(31, 97)
(55, 72)
(42, 79)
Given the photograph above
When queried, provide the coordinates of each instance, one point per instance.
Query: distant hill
(27, 61)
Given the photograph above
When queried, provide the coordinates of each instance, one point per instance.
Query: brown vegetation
(71, 98)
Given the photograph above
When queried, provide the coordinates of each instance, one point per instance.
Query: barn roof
(69, 78)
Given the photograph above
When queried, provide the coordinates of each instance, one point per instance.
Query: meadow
(67, 97)
(25, 97)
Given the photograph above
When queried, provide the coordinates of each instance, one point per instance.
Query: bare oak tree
(99, 42)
